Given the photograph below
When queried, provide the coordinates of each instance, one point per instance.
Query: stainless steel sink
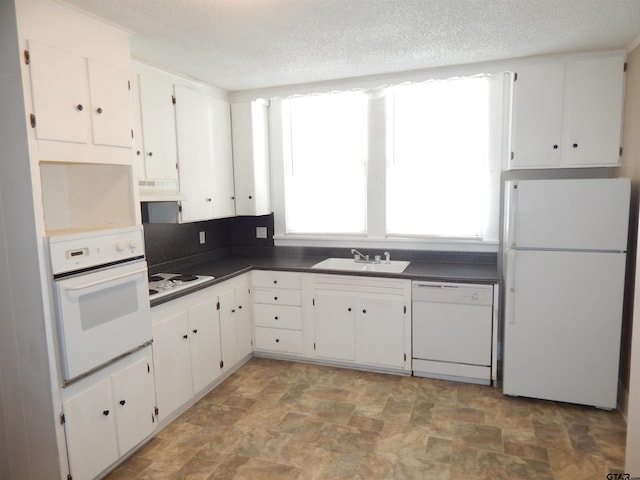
(392, 266)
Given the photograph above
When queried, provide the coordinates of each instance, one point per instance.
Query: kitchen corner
(233, 249)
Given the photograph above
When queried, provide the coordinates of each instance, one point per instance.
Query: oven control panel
(92, 249)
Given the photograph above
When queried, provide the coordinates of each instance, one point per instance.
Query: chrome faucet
(358, 256)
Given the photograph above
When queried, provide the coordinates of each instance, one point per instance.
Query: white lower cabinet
(108, 414)
(360, 320)
(196, 339)
(235, 322)
(277, 300)
(186, 348)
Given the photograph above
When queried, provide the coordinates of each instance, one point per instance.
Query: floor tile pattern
(285, 420)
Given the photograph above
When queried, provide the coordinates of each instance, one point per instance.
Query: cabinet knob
(105, 413)
(275, 281)
(250, 197)
(79, 107)
(233, 310)
(349, 309)
(208, 199)
(122, 402)
(233, 198)
(185, 336)
(555, 147)
(150, 154)
(575, 145)
(364, 311)
(275, 298)
(240, 307)
(99, 110)
(195, 330)
(138, 152)
(275, 318)
(277, 340)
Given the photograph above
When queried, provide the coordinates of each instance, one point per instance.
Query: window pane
(437, 159)
(325, 179)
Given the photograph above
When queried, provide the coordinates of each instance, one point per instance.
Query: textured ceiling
(251, 44)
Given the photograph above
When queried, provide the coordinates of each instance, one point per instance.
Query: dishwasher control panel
(459, 293)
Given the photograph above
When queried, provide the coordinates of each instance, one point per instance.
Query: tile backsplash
(165, 242)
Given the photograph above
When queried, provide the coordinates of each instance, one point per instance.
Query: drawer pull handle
(275, 281)
(364, 311)
(349, 309)
(277, 340)
(275, 318)
(275, 298)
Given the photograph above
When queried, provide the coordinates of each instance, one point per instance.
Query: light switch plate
(261, 232)
(202, 238)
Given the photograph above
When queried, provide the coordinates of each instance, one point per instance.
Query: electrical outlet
(261, 232)
(202, 238)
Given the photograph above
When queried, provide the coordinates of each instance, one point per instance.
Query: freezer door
(588, 214)
(563, 316)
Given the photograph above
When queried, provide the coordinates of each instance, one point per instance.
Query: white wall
(28, 443)
(631, 168)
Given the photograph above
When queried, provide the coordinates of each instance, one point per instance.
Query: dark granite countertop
(432, 266)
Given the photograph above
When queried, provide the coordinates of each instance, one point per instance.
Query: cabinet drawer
(278, 340)
(278, 297)
(278, 316)
(268, 279)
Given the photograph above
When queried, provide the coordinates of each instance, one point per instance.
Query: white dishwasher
(452, 331)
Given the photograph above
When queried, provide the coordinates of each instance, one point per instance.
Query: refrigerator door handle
(510, 282)
(513, 215)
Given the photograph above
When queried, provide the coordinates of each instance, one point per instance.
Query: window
(326, 171)
(414, 163)
(437, 159)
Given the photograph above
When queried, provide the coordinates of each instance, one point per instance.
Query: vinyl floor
(285, 420)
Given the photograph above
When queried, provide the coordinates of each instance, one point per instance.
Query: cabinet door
(594, 111)
(204, 335)
(90, 429)
(537, 115)
(158, 128)
(335, 325)
(224, 204)
(134, 403)
(251, 157)
(60, 90)
(195, 154)
(172, 362)
(243, 315)
(228, 328)
(110, 104)
(381, 327)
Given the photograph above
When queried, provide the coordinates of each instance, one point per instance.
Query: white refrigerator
(564, 269)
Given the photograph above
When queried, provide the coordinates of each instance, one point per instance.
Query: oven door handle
(100, 282)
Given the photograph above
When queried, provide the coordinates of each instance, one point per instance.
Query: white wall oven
(102, 298)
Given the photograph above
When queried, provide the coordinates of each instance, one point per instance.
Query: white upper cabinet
(79, 100)
(568, 113)
(155, 135)
(203, 125)
(250, 133)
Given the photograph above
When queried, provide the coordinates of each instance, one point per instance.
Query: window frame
(376, 236)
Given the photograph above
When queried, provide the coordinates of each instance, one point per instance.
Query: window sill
(444, 244)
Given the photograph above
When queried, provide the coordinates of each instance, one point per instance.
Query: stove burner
(155, 278)
(183, 278)
(152, 291)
